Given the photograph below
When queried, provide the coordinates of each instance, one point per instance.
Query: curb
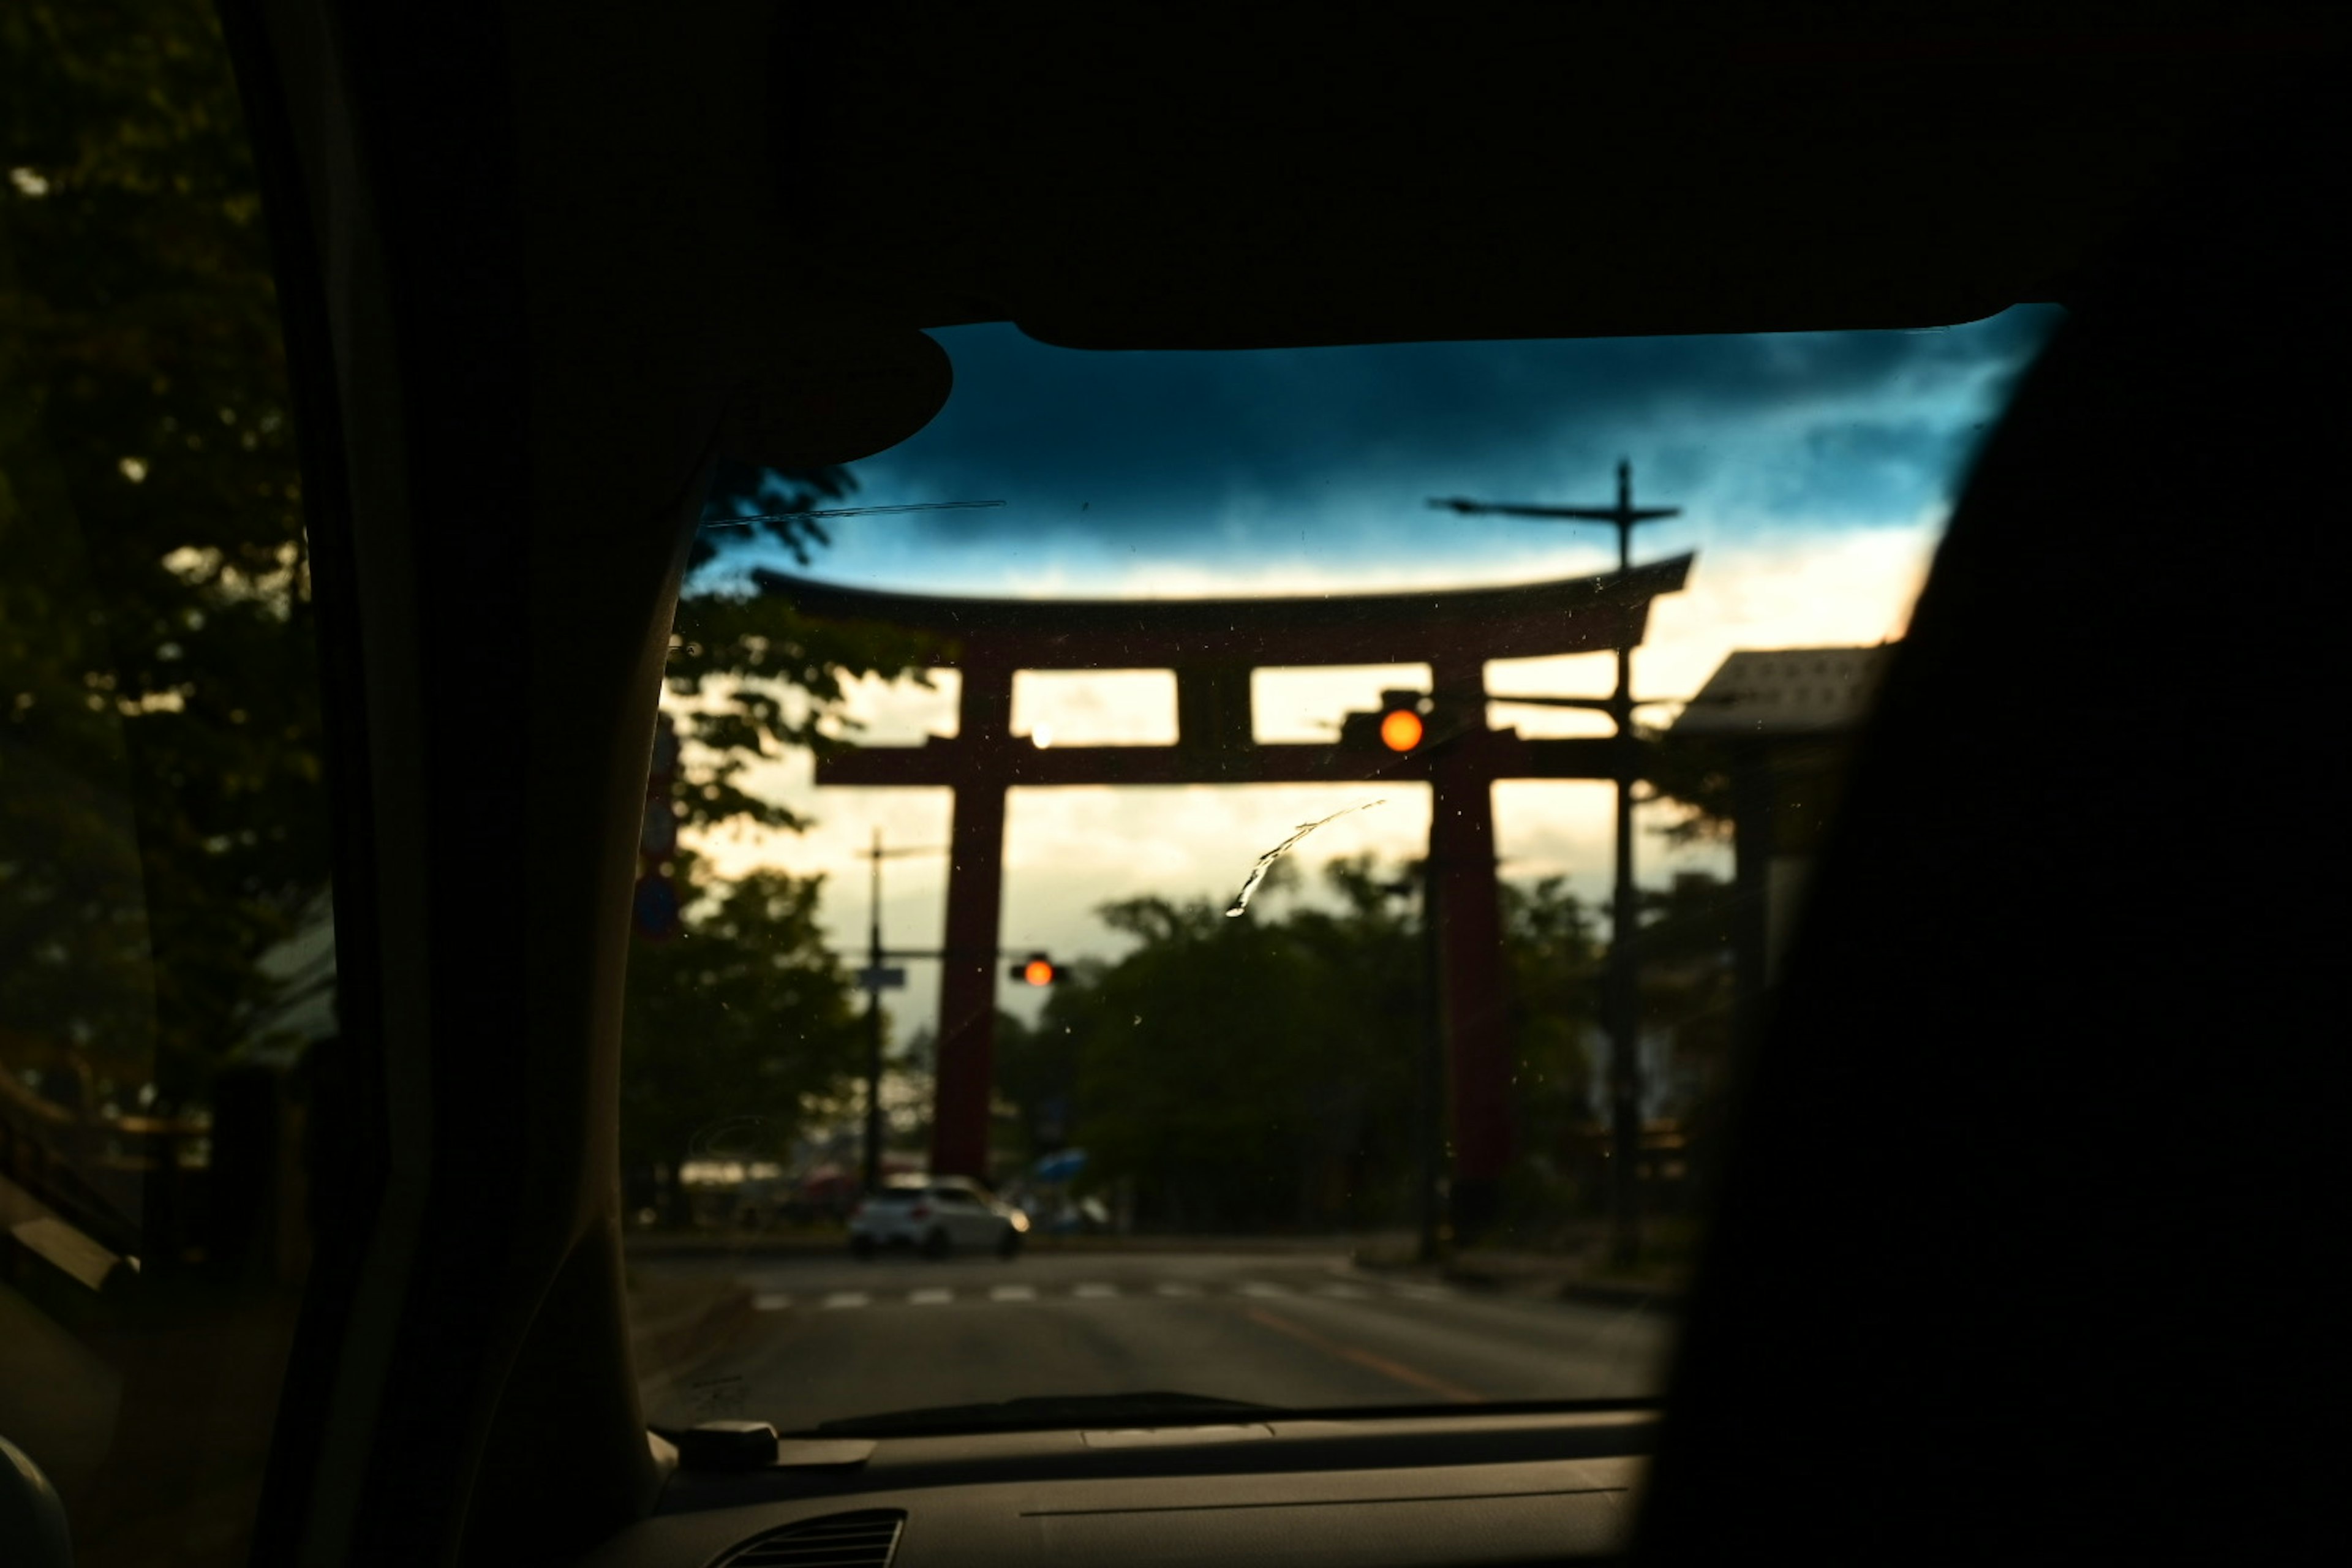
(1560, 1286)
(728, 1246)
(1113, 1245)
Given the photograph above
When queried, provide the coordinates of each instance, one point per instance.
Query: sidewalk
(1564, 1276)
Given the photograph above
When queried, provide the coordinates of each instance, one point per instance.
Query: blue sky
(1178, 473)
(1815, 471)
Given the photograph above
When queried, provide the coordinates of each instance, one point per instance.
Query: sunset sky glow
(1814, 470)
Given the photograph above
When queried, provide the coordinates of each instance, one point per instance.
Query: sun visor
(836, 398)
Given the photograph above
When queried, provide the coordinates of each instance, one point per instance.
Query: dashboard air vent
(868, 1539)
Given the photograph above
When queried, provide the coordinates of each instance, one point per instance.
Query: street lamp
(1621, 999)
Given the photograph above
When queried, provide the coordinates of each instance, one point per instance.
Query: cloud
(1120, 467)
(1215, 426)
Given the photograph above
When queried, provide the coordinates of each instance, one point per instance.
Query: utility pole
(870, 1168)
(1429, 1072)
(1621, 1003)
(876, 980)
(1432, 1074)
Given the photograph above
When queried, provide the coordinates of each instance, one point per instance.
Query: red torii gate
(1212, 644)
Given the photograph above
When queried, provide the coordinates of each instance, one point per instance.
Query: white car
(936, 1217)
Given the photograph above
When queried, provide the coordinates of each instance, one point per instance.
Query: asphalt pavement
(797, 1340)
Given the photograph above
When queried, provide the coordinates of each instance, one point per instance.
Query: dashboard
(1369, 1493)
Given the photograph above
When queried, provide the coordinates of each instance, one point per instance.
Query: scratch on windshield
(1266, 861)
(849, 511)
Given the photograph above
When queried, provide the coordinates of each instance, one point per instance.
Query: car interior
(2043, 1094)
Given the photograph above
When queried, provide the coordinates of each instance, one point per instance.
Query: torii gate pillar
(967, 1037)
(1474, 996)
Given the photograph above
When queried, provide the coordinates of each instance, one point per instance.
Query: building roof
(1787, 691)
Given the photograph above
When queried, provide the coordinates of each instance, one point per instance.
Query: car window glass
(1195, 779)
(167, 961)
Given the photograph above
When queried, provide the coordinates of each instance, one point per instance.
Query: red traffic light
(1035, 969)
(1401, 729)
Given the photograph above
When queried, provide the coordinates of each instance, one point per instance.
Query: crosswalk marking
(1103, 1290)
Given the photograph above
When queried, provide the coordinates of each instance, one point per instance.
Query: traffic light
(1035, 970)
(1400, 725)
(1401, 729)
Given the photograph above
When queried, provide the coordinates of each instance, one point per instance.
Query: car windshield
(1311, 830)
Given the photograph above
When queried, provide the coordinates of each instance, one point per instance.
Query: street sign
(655, 908)
(889, 977)
(1061, 1166)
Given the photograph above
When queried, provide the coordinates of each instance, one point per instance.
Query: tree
(731, 1029)
(747, 676)
(1263, 1071)
(1245, 1072)
(748, 679)
(165, 825)
(1555, 957)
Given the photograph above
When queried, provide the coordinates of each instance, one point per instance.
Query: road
(834, 1337)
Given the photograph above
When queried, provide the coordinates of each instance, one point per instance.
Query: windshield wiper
(1052, 1411)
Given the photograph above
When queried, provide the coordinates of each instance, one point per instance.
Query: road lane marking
(1176, 1288)
(1013, 1293)
(1339, 1292)
(1095, 1292)
(1409, 1377)
(847, 1299)
(1260, 1288)
(930, 1296)
(770, 1301)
